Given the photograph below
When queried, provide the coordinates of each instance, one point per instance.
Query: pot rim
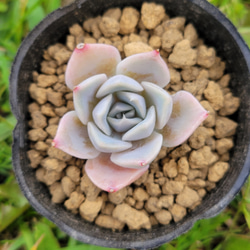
(20, 116)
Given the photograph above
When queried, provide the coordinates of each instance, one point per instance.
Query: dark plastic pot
(217, 31)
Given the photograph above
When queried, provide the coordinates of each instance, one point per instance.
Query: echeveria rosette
(122, 115)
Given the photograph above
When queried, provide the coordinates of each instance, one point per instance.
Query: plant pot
(218, 32)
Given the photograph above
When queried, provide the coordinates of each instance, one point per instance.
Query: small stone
(198, 138)
(194, 173)
(224, 145)
(51, 130)
(180, 151)
(153, 189)
(175, 76)
(89, 23)
(155, 42)
(114, 13)
(140, 194)
(73, 173)
(119, 196)
(76, 30)
(174, 23)
(41, 146)
(61, 111)
(190, 73)
(53, 164)
(224, 127)
(170, 169)
(187, 197)
(108, 208)
(196, 184)
(158, 31)
(133, 218)
(109, 26)
(224, 81)
(62, 56)
(51, 176)
(190, 33)
(183, 166)
(217, 70)
(107, 221)
(166, 201)
(90, 209)
(153, 220)
(202, 157)
(210, 120)
(214, 95)
(45, 81)
(54, 121)
(48, 68)
(38, 94)
(163, 217)
(129, 20)
(210, 185)
(230, 106)
(152, 205)
(206, 56)
(40, 173)
(74, 201)
(33, 107)
(34, 157)
(139, 205)
(181, 177)
(183, 55)
(37, 134)
(130, 201)
(135, 48)
(68, 185)
(58, 196)
(56, 98)
(178, 212)
(52, 49)
(58, 154)
(170, 38)
(217, 171)
(71, 42)
(48, 110)
(89, 188)
(152, 14)
(172, 187)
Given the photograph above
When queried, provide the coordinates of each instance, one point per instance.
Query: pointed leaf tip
(109, 176)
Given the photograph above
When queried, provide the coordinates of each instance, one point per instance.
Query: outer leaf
(109, 176)
(89, 60)
(187, 115)
(147, 66)
(72, 137)
(143, 152)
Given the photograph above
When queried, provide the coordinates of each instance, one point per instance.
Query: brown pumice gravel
(179, 177)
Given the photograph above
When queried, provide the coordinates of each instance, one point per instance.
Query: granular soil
(178, 178)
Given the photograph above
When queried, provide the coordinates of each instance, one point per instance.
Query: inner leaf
(123, 124)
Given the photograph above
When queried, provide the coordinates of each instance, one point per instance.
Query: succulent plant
(122, 115)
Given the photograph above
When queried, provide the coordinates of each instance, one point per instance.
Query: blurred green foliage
(20, 226)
